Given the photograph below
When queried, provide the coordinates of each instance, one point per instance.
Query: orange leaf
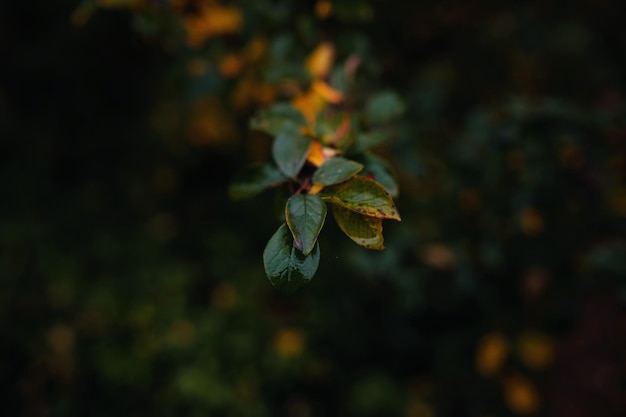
(316, 154)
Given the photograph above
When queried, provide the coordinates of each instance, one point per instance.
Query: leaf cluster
(321, 164)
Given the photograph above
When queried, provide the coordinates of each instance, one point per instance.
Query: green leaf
(305, 217)
(335, 129)
(366, 140)
(364, 196)
(336, 170)
(255, 179)
(278, 118)
(384, 107)
(380, 170)
(366, 231)
(290, 150)
(285, 266)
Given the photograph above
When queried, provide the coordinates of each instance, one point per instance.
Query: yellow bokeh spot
(617, 201)
(249, 92)
(182, 333)
(289, 342)
(61, 339)
(515, 160)
(212, 19)
(492, 351)
(469, 199)
(211, 124)
(438, 256)
(536, 350)
(197, 67)
(231, 65)
(320, 61)
(531, 221)
(419, 408)
(255, 49)
(224, 297)
(323, 9)
(119, 4)
(520, 395)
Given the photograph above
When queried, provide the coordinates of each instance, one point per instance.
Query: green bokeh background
(130, 285)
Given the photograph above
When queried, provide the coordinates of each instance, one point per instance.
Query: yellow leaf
(316, 188)
(327, 92)
(491, 353)
(316, 154)
(309, 104)
(320, 61)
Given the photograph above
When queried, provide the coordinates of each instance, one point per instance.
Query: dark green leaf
(366, 231)
(255, 179)
(305, 215)
(366, 140)
(380, 170)
(286, 267)
(384, 107)
(336, 170)
(278, 118)
(290, 150)
(335, 129)
(364, 196)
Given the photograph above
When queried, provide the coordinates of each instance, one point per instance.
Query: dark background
(132, 286)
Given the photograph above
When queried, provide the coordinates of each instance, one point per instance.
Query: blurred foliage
(132, 285)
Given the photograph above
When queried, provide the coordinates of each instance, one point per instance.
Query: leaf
(316, 154)
(366, 140)
(364, 196)
(285, 266)
(290, 150)
(305, 217)
(366, 231)
(278, 118)
(380, 170)
(320, 62)
(255, 179)
(335, 129)
(384, 107)
(336, 170)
